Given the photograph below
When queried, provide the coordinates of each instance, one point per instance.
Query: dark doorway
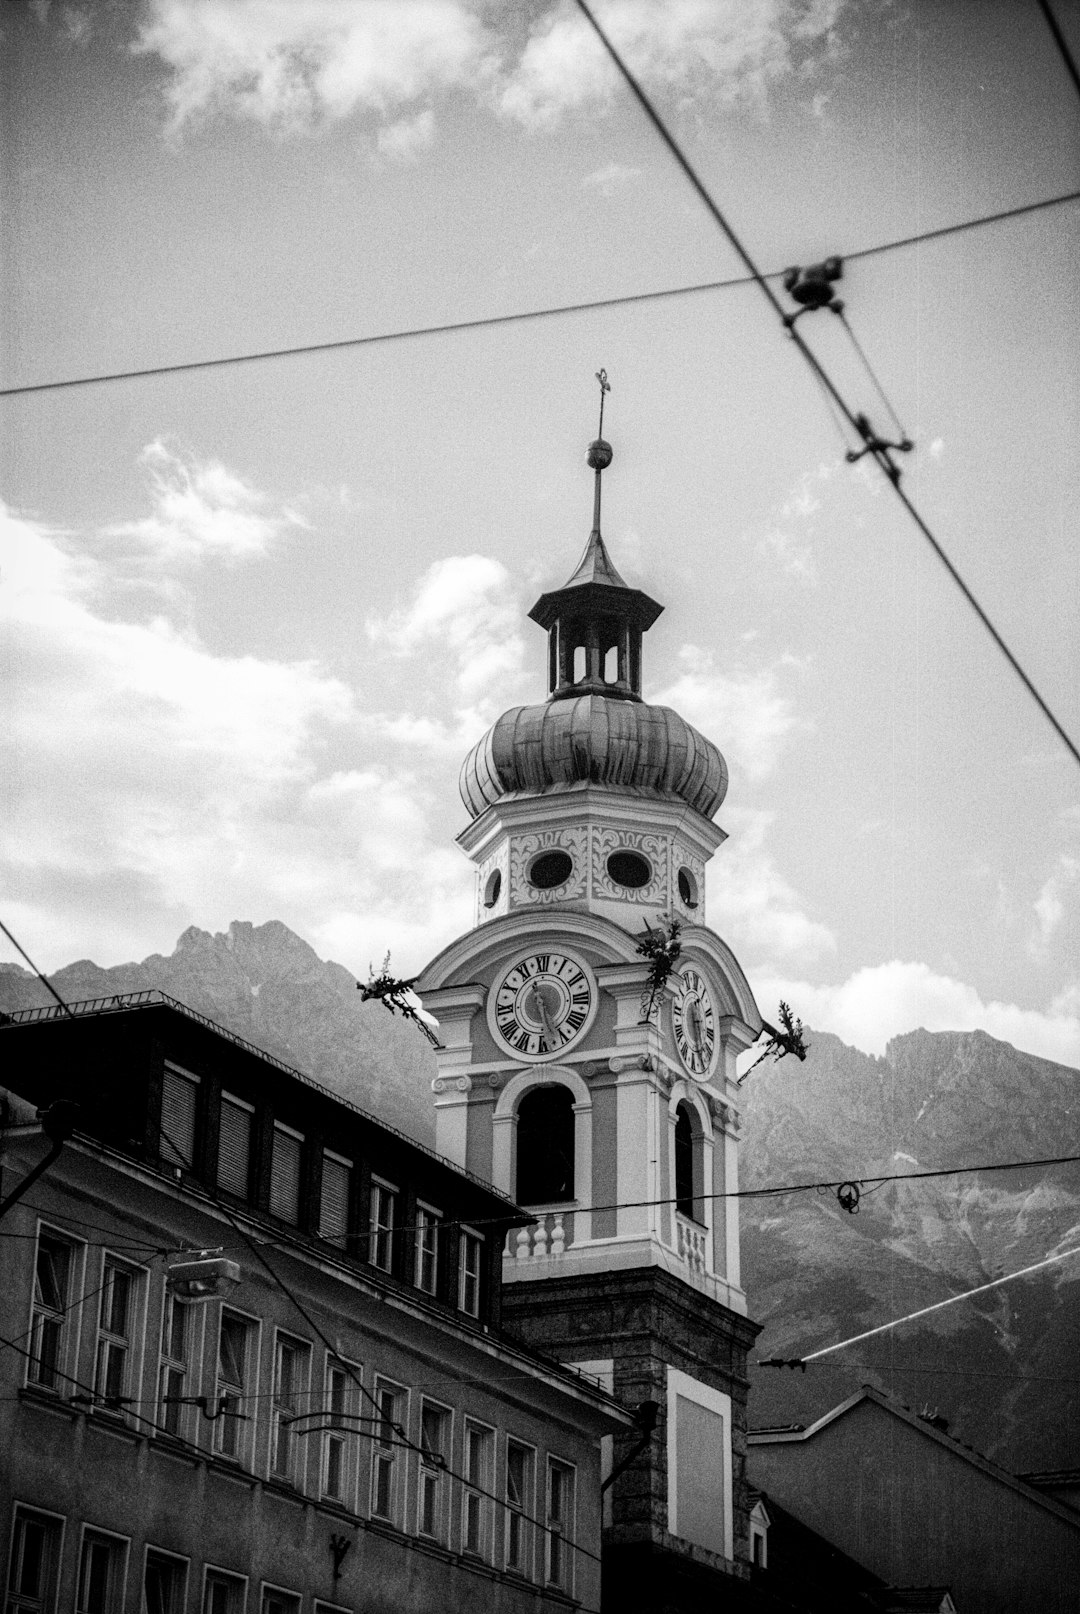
(545, 1146)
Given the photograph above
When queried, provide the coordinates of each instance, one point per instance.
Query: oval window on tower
(629, 869)
(688, 888)
(492, 887)
(550, 869)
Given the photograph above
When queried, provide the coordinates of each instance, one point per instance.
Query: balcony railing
(690, 1242)
(545, 1239)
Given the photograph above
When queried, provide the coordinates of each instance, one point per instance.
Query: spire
(595, 621)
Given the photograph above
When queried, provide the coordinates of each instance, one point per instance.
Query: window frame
(381, 1235)
(108, 1342)
(234, 1576)
(174, 1415)
(269, 1586)
(477, 1489)
(469, 1239)
(386, 1457)
(55, 1525)
(430, 1487)
(245, 1424)
(120, 1547)
(428, 1221)
(287, 1459)
(174, 1560)
(67, 1320)
(559, 1559)
(346, 1436)
(519, 1514)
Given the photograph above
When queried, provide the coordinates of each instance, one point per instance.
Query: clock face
(541, 1004)
(693, 1021)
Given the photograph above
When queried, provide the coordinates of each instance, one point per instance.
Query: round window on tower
(688, 888)
(629, 869)
(492, 887)
(550, 869)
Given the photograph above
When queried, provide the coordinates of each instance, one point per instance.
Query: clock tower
(601, 1096)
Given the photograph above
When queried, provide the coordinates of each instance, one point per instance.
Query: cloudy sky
(256, 614)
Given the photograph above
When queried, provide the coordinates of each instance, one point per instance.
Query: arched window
(688, 1164)
(545, 1146)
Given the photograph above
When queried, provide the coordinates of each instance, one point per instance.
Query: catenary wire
(521, 316)
(941, 1372)
(879, 453)
(1060, 41)
(925, 1311)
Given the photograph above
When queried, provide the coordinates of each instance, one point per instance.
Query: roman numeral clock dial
(693, 1024)
(541, 1004)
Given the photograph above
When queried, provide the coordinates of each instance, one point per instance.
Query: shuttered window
(285, 1173)
(334, 1200)
(234, 1145)
(179, 1099)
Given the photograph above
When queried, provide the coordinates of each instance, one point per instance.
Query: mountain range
(1002, 1368)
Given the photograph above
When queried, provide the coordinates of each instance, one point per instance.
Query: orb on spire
(599, 455)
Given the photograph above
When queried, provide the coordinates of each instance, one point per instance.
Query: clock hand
(550, 1037)
(693, 1015)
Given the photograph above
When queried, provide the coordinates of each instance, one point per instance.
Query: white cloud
(292, 64)
(752, 905)
(710, 48)
(408, 137)
(611, 178)
(150, 784)
(1052, 902)
(465, 605)
(201, 511)
(744, 714)
(884, 1000)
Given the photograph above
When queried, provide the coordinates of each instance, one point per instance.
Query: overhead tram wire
(1061, 43)
(879, 452)
(520, 316)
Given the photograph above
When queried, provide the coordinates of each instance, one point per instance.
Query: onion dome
(594, 728)
(623, 745)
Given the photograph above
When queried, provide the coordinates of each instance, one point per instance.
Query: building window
(470, 1252)
(34, 1564)
(684, 1162)
(164, 1583)
(476, 1505)
(179, 1106)
(235, 1377)
(427, 1249)
(519, 1495)
(234, 1146)
(54, 1276)
(223, 1593)
(277, 1601)
(102, 1562)
(545, 1146)
(339, 1441)
(285, 1173)
(173, 1367)
(434, 1455)
(113, 1373)
(385, 1463)
(292, 1365)
(560, 1525)
(334, 1197)
(383, 1221)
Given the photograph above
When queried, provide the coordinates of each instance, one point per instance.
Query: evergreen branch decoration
(399, 997)
(790, 1040)
(660, 944)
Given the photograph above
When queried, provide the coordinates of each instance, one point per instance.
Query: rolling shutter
(334, 1200)
(234, 1145)
(179, 1098)
(285, 1173)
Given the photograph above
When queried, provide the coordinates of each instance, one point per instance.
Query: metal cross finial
(605, 386)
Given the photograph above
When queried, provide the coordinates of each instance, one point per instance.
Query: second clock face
(541, 1004)
(693, 1021)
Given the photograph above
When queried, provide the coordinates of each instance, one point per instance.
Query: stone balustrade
(691, 1243)
(545, 1239)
